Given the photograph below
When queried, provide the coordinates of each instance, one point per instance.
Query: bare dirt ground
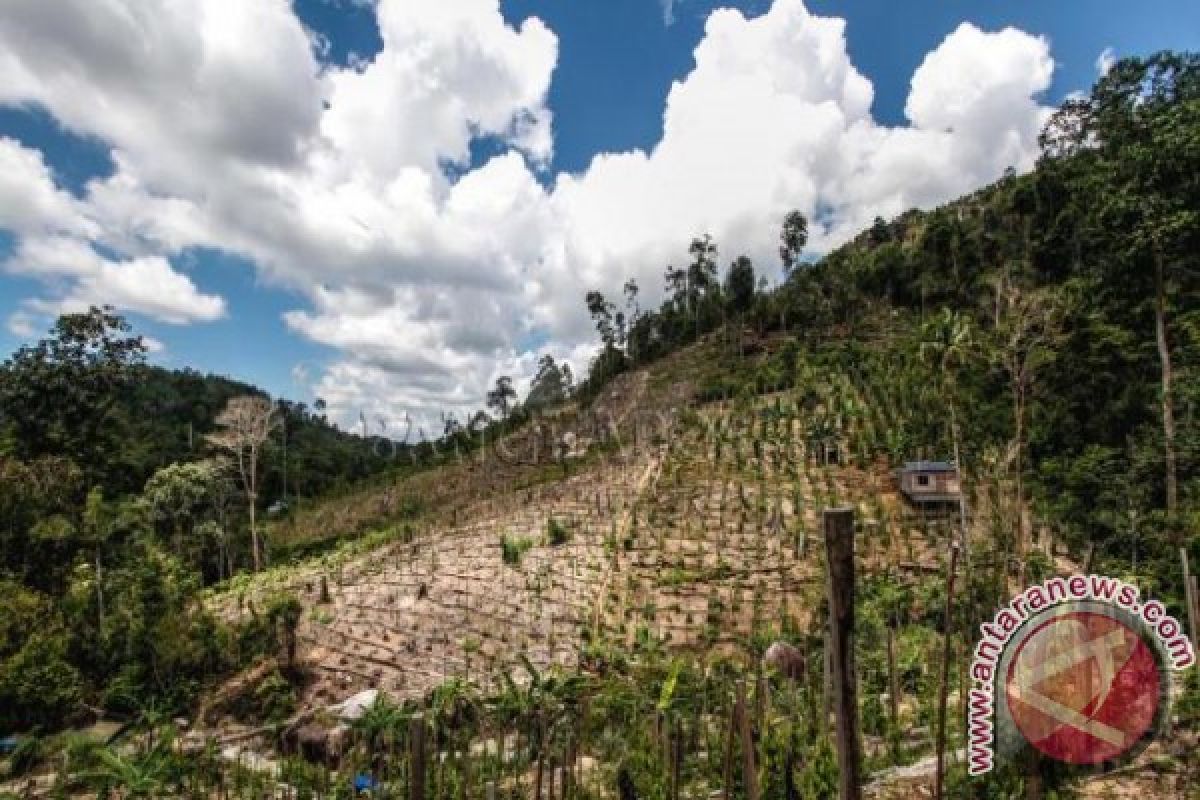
(698, 534)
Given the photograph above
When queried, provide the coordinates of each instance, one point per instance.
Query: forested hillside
(1045, 330)
(133, 418)
(117, 506)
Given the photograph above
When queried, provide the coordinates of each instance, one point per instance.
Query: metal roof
(928, 466)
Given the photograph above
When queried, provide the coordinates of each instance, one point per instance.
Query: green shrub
(273, 699)
(38, 686)
(513, 547)
(556, 533)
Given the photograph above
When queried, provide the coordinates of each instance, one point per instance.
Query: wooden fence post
(727, 788)
(416, 738)
(826, 680)
(676, 756)
(943, 686)
(1196, 605)
(762, 699)
(893, 678)
(749, 772)
(1189, 594)
(839, 556)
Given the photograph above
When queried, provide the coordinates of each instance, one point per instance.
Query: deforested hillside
(672, 548)
(748, 555)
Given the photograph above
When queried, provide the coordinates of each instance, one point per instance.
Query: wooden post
(464, 762)
(727, 789)
(1189, 594)
(749, 773)
(826, 680)
(572, 758)
(675, 736)
(1196, 604)
(839, 556)
(893, 678)
(761, 699)
(947, 624)
(416, 738)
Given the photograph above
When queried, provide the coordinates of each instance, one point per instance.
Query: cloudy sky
(387, 204)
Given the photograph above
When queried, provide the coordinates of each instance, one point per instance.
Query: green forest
(1046, 327)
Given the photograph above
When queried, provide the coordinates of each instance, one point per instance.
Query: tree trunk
(254, 534)
(99, 591)
(1019, 426)
(727, 787)
(541, 746)
(290, 639)
(1034, 785)
(893, 679)
(943, 686)
(749, 770)
(676, 758)
(962, 493)
(1164, 357)
(1190, 599)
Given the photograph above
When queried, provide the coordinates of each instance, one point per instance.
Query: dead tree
(242, 429)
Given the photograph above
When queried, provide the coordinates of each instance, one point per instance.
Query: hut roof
(928, 466)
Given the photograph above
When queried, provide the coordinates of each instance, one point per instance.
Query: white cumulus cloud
(429, 275)
(21, 324)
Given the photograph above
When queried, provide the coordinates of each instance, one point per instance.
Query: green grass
(513, 547)
(557, 533)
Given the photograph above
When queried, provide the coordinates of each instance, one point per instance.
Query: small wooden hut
(927, 483)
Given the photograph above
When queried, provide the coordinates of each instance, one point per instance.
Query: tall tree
(478, 421)
(792, 239)
(675, 285)
(1136, 136)
(739, 285)
(1028, 327)
(179, 494)
(243, 427)
(739, 292)
(56, 395)
(549, 386)
(633, 315)
(97, 527)
(602, 312)
(947, 342)
(501, 396)
(701, 275)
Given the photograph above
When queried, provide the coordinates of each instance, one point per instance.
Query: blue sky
(616, 61)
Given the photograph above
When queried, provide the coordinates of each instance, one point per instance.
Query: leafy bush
(273, 699)
(557, 533)
(513, 547)
(38, 686)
